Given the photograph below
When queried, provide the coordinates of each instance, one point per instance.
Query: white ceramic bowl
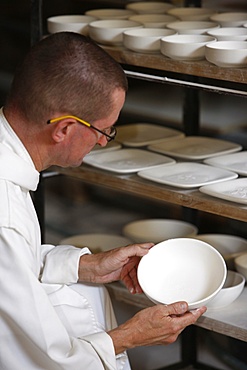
(230, 19)
(110, 13)
(110, 31)
(241, 264)
(71, 23)
(96, 242)
(229, 33)
(192, 27)
(191, 13)
(230, 54)
(153, 20)
(230, 291)
(182, 269)
(157, 230)
(145, 40)
(147, 7)
(185, 47)
(229, 246)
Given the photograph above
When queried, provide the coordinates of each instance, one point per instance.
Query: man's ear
(62, 129)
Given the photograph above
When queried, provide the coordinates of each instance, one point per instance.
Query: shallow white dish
(195, 147)
(153, 20)
(70, 23)
(241, 264)
(230, 291)
(185, 47)
(112, 145)
(141, 134)
(110, 13)
(192, 27)
(182, 269)
(145, 40)
(236, 162)
(187, 175)
(127, 160)
(96, 242)
(229, 54)
(144, 7)
(230, 19)
(229, 246)
(157, 230)
(229, 33)
(191, 13)
(110, 31)
(232, 190)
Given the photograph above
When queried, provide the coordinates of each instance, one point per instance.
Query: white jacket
(32, 277)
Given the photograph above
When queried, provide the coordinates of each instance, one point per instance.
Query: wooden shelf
(228, 321)
(160, 62)
(133, 184)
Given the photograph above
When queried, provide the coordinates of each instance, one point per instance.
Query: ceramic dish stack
(192, 27)
(110, 31)
(153, 20)
(192, 13)
(229, 246)
(145, 40)
(241, 264)
(148, 7)
(70, 23)
(185, 47)
(157, 230)
(110, 13)
(229, 54)
(96, 242)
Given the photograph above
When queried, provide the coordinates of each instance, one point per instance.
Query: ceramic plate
(233, 190)
(195, 147)
(141, 134)
(97, 242)
(187, 174)
(127, 160)
(236, 162)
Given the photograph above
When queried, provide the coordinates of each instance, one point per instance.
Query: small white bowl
(70, 23)
(145, 40)
(191, 13)
(153, 20)
(192, 27)
(241, 264)
(229, 33)
(230, 291)
(229, 246)
(182, 269)
(230, 54)
(110, 13)
(185, 47)
(147, 7)
(157, 230)
(230, 19)
(96, 242)
(110, 31)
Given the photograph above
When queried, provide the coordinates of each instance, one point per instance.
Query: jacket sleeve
(29, 325)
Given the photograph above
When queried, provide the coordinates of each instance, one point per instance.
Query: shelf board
(133, 184)
(160, 62)
(228, 320)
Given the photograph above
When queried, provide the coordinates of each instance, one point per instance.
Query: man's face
(83, 138)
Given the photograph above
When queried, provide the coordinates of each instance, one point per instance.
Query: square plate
(234, 190)
(141, 134)
(187, 175)
(195, 147)
(236, 162)
(127, 160)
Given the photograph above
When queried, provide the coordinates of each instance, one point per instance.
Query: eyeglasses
(110, 135)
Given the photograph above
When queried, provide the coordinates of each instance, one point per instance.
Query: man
(55, 312)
